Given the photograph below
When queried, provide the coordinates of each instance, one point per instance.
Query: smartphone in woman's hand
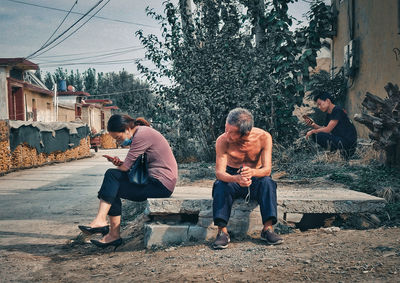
(109, 158)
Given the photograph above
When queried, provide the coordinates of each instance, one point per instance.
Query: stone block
(205, 221)
(206, 213)
(162, 234)
(197, 233)
(200, 234)
(294, 217)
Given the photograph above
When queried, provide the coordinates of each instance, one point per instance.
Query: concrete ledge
(307, 199)
(245, 217)
(292, 199)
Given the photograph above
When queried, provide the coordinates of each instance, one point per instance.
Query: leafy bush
(229, 54)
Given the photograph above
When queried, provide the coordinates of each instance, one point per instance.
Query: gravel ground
(318, 255)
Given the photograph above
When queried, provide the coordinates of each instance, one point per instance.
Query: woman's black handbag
(138, 174)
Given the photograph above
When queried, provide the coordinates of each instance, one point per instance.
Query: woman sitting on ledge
(162, 170)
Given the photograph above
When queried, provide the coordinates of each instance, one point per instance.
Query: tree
(214, 65)
(60, 74)
(71, 79)
(131, 95)
(90, 84)
(78, 81)
(336, 85)
(48, 81)
(38, 74)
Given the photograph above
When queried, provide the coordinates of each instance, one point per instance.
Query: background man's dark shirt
(344, 128)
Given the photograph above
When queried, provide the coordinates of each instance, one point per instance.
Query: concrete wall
(376, 29)
(107, 115)
(91, 115)
(68, 100)
(66, 114)
(85, 116)
(44, 106)
(3, 93)
(96, 119)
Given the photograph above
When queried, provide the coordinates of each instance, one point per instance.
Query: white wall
(67, 100)
(3, 94)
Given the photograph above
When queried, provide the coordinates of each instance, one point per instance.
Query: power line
(73, 32)
(91, 57)
(40, 49)
(98, 17)
(69, 12)
(121, 92)
(93, 63)
(91, 52)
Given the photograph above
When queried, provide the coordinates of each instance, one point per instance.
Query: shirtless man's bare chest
(246, 153)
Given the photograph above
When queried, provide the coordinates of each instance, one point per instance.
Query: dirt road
(44, 204)
(41, 207)
(316, 256)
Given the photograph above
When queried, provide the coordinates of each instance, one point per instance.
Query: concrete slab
(308, 199)
(291, 198)
(245, 217)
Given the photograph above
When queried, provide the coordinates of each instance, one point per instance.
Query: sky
(107, 42)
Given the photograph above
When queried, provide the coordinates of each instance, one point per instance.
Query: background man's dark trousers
(333, 143)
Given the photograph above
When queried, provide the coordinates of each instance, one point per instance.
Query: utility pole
(185, 8)
(55, 100)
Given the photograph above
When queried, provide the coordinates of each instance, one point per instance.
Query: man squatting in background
(338, 133)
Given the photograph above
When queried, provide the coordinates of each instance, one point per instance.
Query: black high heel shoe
(90, 231)
(116, 243)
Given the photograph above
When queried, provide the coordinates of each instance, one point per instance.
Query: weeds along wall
(30, 144)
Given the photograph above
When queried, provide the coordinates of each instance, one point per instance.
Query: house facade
(97, 113)
(367, 47)
(70, 104)
(74, 105)
(23, 96)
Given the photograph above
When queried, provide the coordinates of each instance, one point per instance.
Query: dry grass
(306, 161)
(364, 172)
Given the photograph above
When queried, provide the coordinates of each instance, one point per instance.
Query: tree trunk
(260, 30)
(384, 123)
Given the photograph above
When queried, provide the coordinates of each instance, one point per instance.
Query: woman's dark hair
(317, 94)
(120, 123)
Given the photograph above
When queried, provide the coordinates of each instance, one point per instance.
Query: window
(34, 109)
(48, 106)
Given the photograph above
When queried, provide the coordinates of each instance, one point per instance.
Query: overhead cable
(91, 52)
(66, 16)
(73, 32)
(52, 41)
(77, 13)
(133, 60)
(105, 55)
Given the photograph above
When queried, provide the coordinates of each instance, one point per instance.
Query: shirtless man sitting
(243, 169)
